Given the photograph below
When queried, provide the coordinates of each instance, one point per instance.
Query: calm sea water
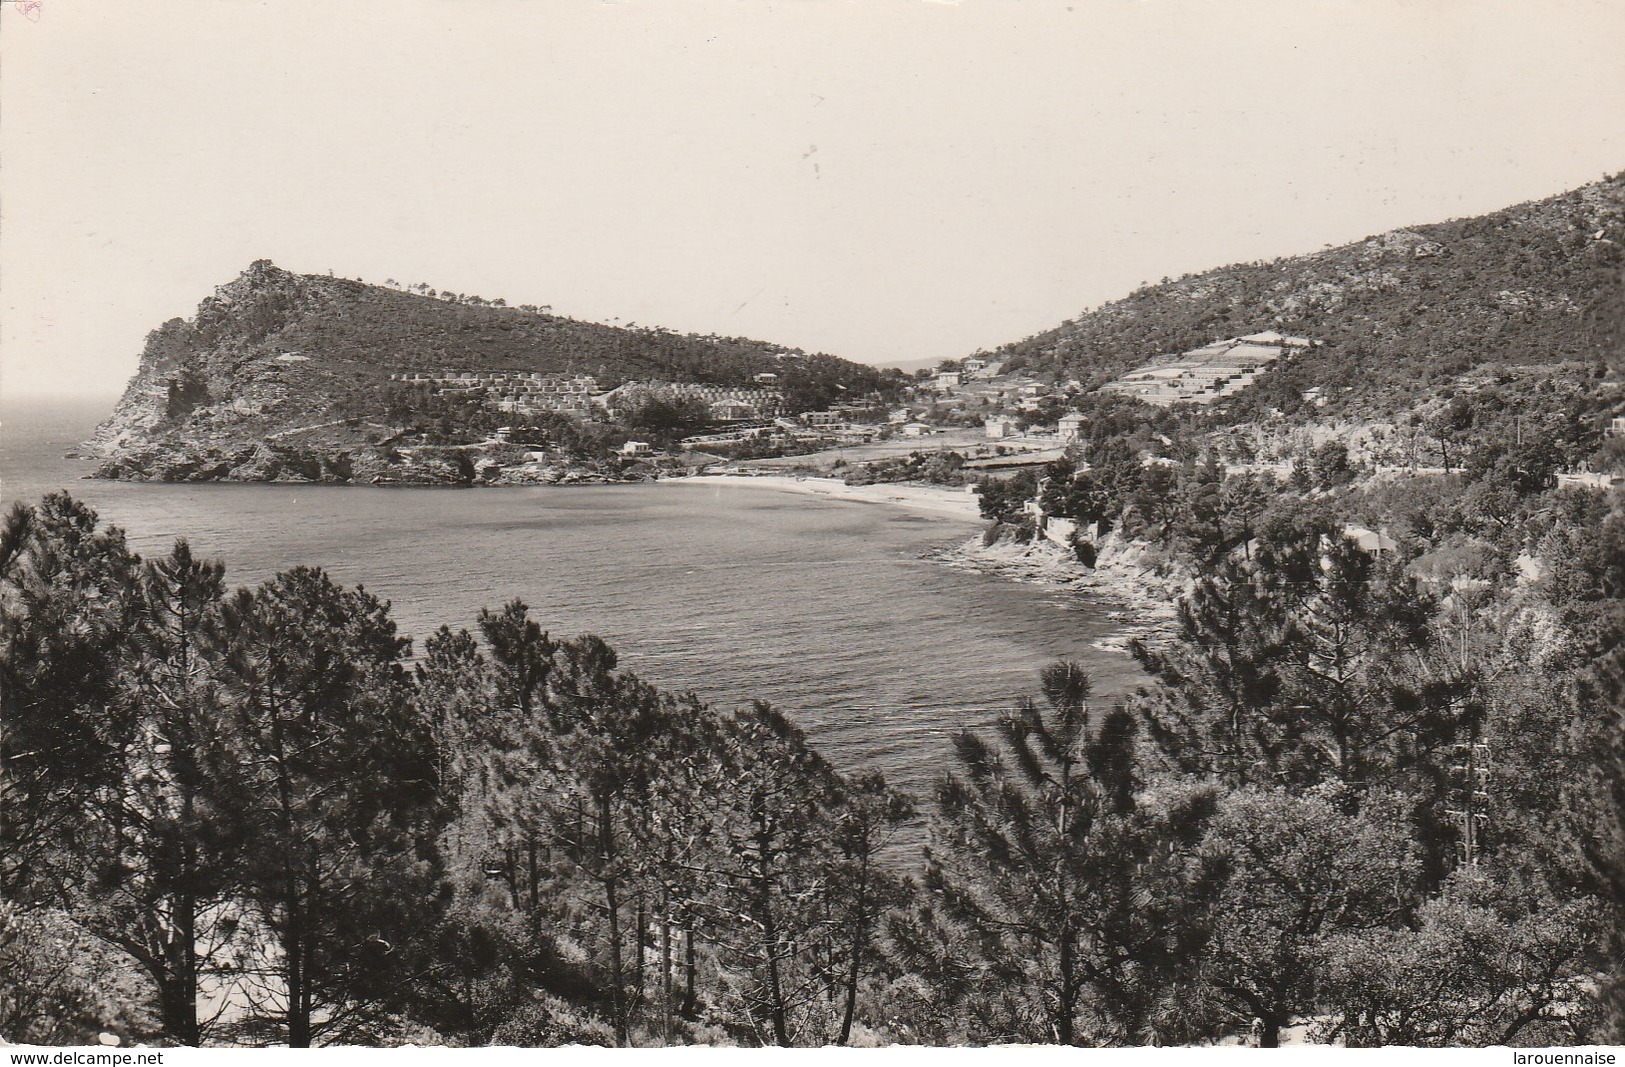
(825, 608)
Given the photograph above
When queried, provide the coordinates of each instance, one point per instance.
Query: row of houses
(1068, 427)
(727, 403)
(515, 381)
(859, 413)
(522, 393)
(1024, 393)
(514, 392)
(973, 369)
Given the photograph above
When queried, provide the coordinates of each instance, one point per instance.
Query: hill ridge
(271, 346)
(1401, 312)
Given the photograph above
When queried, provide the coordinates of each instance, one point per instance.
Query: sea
(830, 610)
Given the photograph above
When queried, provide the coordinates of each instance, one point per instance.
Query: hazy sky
(884, 180)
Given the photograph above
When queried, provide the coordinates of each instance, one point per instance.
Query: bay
(826, 608)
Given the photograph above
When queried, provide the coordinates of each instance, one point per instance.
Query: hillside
(280, 357)
(1402, 315)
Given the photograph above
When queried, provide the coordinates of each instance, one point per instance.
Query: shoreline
(1125, 578)
(944, 502)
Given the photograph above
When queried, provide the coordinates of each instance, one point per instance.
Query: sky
(885, 180)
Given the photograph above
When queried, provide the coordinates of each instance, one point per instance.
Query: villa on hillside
(999, 427)
(1368, 539)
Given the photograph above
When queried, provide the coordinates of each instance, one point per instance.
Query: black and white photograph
(746, 524)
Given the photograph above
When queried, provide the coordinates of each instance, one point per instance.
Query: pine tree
(457, 693)
(1309, 661)
(521, 737)
(65, 608)
(603, 780)
(331, 767)
(770, 857)
(165, 867)
(522, 653)
(862, 888)
(1033, 851)
(1220, 679)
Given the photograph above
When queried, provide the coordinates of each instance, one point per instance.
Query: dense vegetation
(1378, 797)
(1496, 446)
(394, 329)
(1402, 315)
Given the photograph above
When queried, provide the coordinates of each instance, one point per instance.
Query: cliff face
(215, 377)
(281, 376)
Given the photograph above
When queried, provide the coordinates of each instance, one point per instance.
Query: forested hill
(1401, 314)
(276, 347)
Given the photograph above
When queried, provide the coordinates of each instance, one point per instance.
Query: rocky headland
(283, 377)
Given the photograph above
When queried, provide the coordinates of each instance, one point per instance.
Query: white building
(1599, 481)
(1368, 539)
(999, 427)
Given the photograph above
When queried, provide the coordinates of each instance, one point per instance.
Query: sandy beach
(936, 500)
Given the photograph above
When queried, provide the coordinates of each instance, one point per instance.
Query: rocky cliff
(1131, 574)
